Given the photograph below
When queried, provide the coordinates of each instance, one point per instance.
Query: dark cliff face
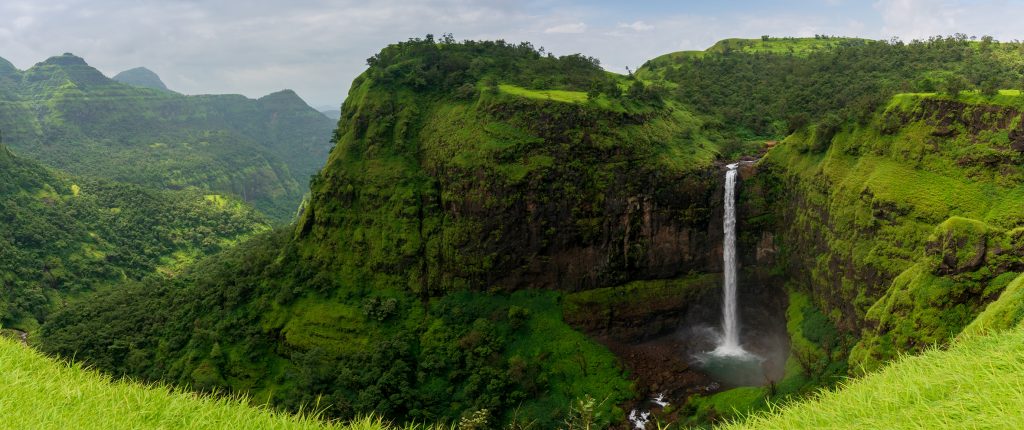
(662, 228)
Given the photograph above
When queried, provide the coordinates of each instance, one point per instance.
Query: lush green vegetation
(974, 384)
(68, 115)
(918, 202)
(61, 236)
(481, 194)
(349, 351)
(39, 393)
(770, 88)
(399, 292)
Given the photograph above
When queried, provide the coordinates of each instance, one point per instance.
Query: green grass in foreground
(977, 384)
(39, 393)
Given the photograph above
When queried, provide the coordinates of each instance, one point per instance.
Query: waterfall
(729, 343)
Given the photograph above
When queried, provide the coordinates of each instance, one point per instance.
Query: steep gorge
(461, 226)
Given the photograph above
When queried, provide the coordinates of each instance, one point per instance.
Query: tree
(953, 85)
(636, 90)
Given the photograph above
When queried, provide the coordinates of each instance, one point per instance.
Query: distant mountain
(141, 77)
(334, 114)
(331, 111)
(69, 115)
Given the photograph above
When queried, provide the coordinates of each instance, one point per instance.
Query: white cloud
(570, 28)
(637, 26)
(23, 22)
(919, 19)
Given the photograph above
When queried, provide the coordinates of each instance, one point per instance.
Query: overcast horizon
(317, 47)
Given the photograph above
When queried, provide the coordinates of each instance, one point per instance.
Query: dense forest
(502, 237)
(770, 88)
(63, 236)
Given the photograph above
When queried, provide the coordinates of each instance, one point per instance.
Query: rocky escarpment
(511, 193)
(901, 231)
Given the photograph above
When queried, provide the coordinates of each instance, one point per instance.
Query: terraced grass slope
(68, 115)
(978, 383)
(39, 393)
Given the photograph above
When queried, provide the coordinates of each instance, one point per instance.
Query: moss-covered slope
(503, 190)
(903, 228)
(975, 384)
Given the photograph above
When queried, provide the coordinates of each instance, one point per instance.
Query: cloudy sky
(317, 47)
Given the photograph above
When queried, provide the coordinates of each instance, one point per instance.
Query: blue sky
(317, 47)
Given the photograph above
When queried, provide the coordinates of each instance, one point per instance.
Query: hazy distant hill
(141, 77)
(69, 115)
(334, 114)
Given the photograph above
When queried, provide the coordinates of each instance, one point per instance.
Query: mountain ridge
(67, 114)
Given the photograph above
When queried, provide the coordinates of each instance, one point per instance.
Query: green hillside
(769, 88)
(37, 392)
(975, 384)
(66, 114)
(399, 291)
(923, 207)
(494, 221)
(62, 236)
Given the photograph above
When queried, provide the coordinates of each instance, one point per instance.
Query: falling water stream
(729, 344)
(729, 362)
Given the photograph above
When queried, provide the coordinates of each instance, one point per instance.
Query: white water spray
(729, 345)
